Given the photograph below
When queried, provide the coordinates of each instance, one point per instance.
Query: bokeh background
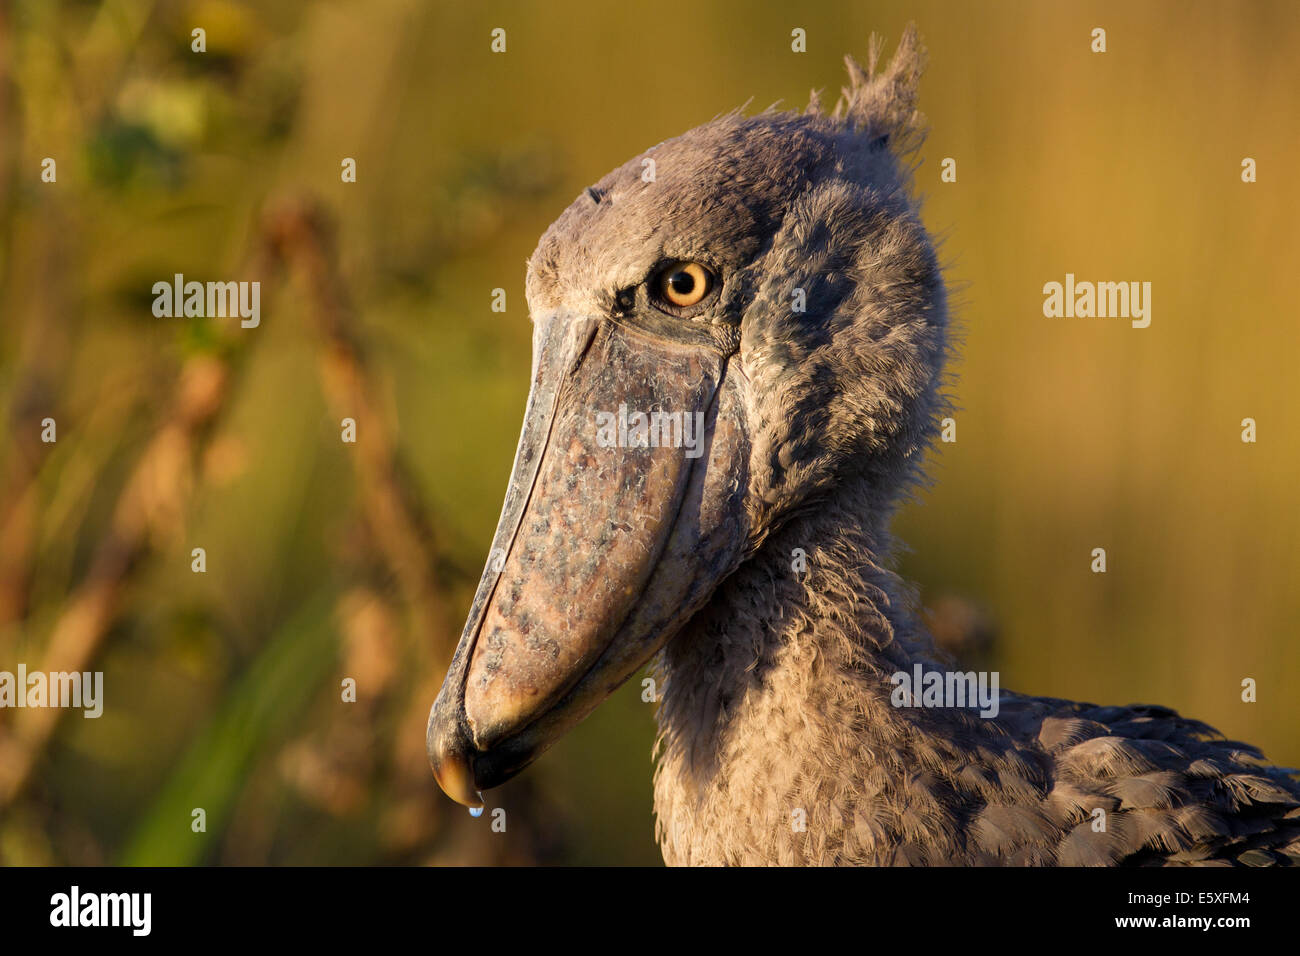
(327, 560)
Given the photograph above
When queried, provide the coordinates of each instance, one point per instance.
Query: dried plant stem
(147, 507)
(389, 500)
(152, 504)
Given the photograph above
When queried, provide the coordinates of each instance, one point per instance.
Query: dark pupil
(682, 282)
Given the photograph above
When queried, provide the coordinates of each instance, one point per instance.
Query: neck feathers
(779, 683)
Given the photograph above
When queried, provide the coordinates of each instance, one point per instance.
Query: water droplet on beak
(476, 812)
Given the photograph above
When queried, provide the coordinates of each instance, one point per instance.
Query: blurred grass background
(222, 689)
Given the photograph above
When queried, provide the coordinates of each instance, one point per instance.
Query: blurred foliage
(269, 698)
(223, 688)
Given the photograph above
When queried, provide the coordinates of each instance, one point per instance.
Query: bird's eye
(682, 284)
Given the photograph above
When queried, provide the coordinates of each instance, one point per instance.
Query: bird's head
(726, 328)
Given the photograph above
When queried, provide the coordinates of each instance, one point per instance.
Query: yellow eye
(683, 284)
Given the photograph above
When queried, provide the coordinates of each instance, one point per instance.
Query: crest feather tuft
(883, 104)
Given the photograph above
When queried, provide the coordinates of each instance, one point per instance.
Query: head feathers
(883, 105)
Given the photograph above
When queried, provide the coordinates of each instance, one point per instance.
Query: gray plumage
(777, 694)
(776, 707)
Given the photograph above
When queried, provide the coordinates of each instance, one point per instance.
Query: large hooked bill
(624, 511)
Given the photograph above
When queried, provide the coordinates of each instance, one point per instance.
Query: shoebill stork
(772, 281)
